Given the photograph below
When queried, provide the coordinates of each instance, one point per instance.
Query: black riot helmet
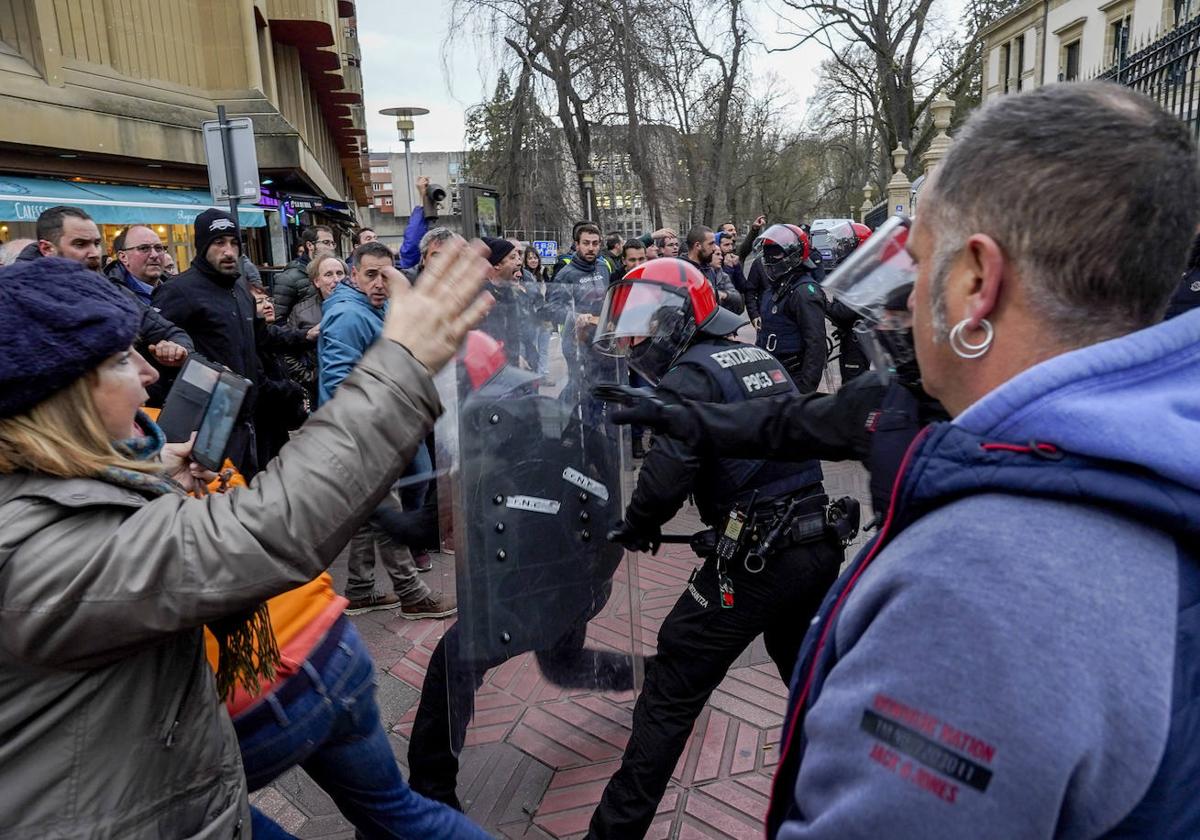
(781, 249)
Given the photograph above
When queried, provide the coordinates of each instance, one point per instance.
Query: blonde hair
(62, 436)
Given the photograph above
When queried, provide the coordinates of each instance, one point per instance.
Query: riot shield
(536, 479)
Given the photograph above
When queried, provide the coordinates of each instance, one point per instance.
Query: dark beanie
(58, 320)
(211, 224)
(500, 248)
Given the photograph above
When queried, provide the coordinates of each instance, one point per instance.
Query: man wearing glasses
(140, 260)
(292, 286)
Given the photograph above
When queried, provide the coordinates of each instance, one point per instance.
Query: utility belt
(750, 536)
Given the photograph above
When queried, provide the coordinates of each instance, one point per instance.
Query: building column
(943, 110)
(899, 189)
(868, 202)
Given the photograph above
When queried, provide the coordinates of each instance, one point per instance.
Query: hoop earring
(965, 349)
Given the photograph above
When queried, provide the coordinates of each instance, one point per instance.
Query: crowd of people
(1012, 654)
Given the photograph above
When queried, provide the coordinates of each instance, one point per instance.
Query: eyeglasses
(146, 249)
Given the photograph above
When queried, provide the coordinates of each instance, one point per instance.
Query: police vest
(780, 332)
(743, 372)
(893, 427)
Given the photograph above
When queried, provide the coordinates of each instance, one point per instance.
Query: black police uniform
(793, 327)
(852, 361)
(866, 420)
(541, 488)
(700, 639)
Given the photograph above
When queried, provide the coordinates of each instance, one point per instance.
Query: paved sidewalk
(538, 756)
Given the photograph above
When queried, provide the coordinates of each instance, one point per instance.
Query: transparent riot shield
(547, 606)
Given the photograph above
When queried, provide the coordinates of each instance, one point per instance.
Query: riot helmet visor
(870, 276)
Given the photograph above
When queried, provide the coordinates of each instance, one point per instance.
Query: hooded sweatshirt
(1017, 654)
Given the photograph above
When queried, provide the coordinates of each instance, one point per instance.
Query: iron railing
(1165, 70)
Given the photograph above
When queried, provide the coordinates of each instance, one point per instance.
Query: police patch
(762, 377)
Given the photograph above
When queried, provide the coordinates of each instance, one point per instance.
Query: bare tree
(723, 45)
(914, 59)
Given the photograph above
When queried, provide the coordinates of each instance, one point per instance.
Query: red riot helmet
(781, 249)
(487, 370)
(652, 314)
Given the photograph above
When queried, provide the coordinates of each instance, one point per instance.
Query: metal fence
(877, 216)
(1165, 70)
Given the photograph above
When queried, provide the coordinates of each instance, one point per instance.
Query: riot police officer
(533, 482)
(664, 318)
(791, 322)
(872, 419)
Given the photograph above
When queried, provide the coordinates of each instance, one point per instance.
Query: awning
(24, 199)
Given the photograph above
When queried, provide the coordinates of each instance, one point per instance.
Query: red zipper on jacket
(812, 668)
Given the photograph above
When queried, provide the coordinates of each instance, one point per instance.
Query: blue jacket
(349, 325)
(1017, 654)
(410, 249)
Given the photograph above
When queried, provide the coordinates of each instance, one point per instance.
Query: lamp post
(587, 177)
(404, 127)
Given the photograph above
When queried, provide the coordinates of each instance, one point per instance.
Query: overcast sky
(402, 51)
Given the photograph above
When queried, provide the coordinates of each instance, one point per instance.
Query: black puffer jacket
(290, 287)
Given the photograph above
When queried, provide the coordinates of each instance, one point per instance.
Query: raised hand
(431, 319)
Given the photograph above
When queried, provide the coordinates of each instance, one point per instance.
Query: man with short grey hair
(432, 242)
(1014, 654)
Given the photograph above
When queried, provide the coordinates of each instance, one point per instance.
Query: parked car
(833, 243)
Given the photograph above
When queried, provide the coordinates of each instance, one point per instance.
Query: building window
(1118, 32)
(1071, 62)
(1020, 59)
(1006, 65)
(387, 202)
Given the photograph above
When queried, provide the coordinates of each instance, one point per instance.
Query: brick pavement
(538, 756)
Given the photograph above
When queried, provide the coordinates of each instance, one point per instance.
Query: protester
(1043, 540)
(430, 245)
(701, 250)
(70, 232)
(410, 252)
(139, 262)
(535, 274)
(170, 269)
(282, 405)
(112, 723)
(291, 285)
(511, 320)
(324, 273)
(212, 302)
(352, 320)
(364, 234)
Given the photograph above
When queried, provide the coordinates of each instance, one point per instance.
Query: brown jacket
(109, 722)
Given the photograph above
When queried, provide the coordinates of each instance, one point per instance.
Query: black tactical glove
(635, 539)
(643, 407)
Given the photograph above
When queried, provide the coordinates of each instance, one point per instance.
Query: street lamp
(404, 127)
(587, 177)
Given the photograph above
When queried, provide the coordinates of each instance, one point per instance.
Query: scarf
(249, 654)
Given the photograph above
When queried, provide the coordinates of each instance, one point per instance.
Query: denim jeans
(543, 347)
(332, 730)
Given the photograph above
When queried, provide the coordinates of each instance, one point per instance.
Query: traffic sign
(546, 248)
(242, 169)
